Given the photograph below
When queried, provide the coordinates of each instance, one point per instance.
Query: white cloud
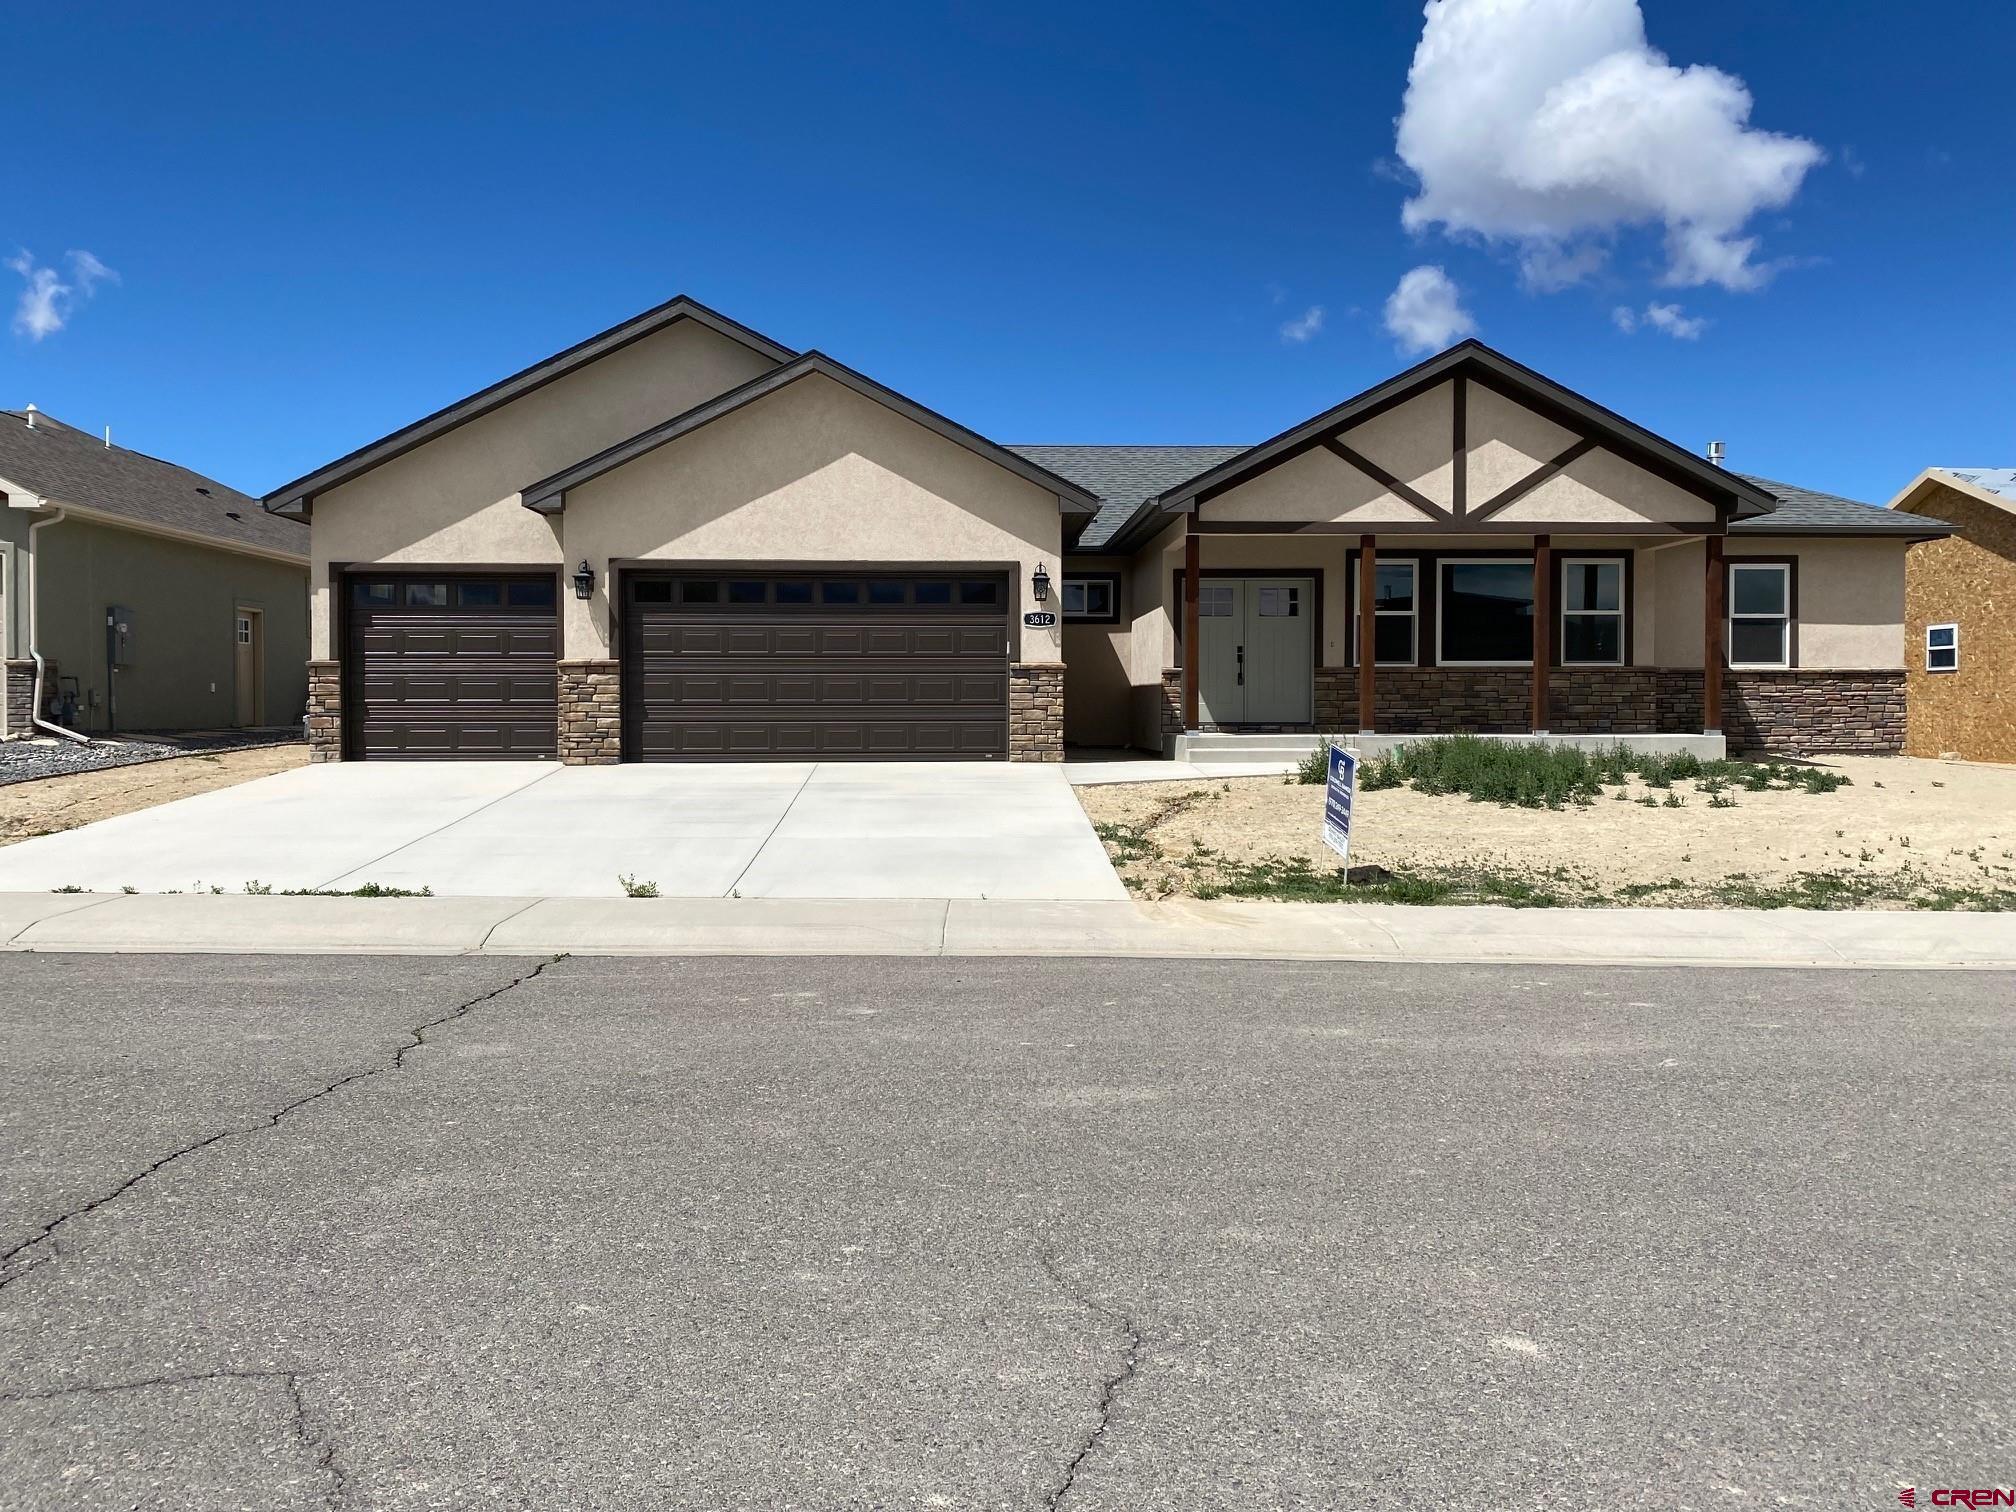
(1425, 312)
(47, 300)
(1670, 318)
(1552, 124)
(1303, 326)
(1547, 269)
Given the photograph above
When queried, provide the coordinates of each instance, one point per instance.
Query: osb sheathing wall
(1969, 580)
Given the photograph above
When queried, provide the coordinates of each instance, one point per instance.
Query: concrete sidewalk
(243, 924)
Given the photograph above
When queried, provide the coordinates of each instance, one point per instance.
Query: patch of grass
(258, 889)
(1295, 880)
(69, 888)
(368, 890)
(633, 888)
(1127, 842)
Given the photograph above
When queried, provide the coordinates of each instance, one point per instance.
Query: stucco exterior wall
(183, 599)
(456, 499)
(1098, 692)
(813, 473)
(1851, 597)
(1967, 580)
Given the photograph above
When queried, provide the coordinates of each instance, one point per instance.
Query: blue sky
(1053, 223)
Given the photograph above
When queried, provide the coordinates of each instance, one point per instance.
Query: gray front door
(1256, 657)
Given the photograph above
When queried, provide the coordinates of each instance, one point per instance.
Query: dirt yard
(49, 804)
(1902, 833)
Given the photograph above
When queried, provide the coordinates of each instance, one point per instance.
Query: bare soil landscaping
(1897, 833)
(49, 804)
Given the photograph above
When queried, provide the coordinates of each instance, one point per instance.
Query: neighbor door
(249, 667)
(1257, 651)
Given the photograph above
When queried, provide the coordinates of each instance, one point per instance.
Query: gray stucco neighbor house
(684, 541)
(210, 591)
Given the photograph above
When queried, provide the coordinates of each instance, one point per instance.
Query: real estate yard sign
(1337, 801)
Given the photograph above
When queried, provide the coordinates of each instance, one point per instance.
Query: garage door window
(980, 593)
(529, 595)
(365, 595)
(426, 595)
(479, 595)
(793, 593)
(840, 593)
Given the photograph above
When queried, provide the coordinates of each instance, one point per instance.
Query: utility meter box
(119, 637)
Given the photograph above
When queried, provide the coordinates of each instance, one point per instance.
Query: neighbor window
(1942, 648)
(1091, 598)
(1395, 613)
(1485, 613)
(1760, 614)
(1592, 612)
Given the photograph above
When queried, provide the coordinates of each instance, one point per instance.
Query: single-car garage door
(850, 663)
(447, 666)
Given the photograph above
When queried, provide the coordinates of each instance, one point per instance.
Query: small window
(1592, 612)
(748, 591)
(792, 591)
(979, 593)
(244, 631)
(651, 591)
(529, 594)
(1760, 614)
(708, 592)
(1280, 603)
(1942, 648)
(1394, 585)
(379, 594)
(479, 595)
(1214, 601)
(426, 595)
(839, 593)
(934, 593)
(1090, 598)
(888, 591)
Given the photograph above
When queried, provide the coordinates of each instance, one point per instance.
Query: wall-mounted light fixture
(584, 581)
(1040, 584)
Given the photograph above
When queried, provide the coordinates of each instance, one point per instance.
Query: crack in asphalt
(1109, 1389)
(416, 1037)
(317, 1440)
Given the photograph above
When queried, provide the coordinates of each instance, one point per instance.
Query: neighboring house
(681, 540)
(1960, 615)
(211, 628)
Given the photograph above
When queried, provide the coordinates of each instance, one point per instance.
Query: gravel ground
(26, 760)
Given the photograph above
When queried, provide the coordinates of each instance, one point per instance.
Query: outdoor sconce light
(1041, 584)
(584, 581)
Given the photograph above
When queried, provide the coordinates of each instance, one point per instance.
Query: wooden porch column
(1543, 627)
(1191, 650)
(1368, 624)
(1711, 647)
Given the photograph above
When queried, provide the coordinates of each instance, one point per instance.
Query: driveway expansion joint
(1109, 1389)
(10, 1271)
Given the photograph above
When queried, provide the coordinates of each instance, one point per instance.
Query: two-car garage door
(847, 663)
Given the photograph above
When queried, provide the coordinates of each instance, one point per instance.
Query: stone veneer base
(591, 712)
(1036, 711)
(325, 711)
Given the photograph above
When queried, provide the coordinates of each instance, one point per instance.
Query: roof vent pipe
(108, 438)
(31, 417)
(1716, 452)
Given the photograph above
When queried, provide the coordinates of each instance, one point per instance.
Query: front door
(1256, 663)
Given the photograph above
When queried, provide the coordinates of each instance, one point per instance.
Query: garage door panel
(906, 668)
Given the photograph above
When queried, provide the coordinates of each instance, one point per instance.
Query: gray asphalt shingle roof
(1804, 509)
(59, 462)
(1123, 476)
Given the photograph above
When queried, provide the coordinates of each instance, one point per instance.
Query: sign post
(1337, 796)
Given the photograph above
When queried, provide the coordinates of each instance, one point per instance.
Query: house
(156, 598)
(682, 540)
(1960, 615)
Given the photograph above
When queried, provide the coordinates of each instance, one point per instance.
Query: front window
(1091, 598)
(1942, 648)
(1760, 614)
(1485, 613)
(1395, 613)
(1592, 612)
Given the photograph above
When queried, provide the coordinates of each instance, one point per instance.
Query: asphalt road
(1019, 1234)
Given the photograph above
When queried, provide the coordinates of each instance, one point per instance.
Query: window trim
(1413, 563)
(1112, 582)
(1442, 603)
(1789, 566)
(1952, 650)
(1622, 613)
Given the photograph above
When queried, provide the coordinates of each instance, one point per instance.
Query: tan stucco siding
(1507, 441)
(1315, 486)
(456, 499)
(813, 473)
(1264, 556)
(1415, 443)
(1851, 597)
(1603, 488)
(1098, 688)
(1967, 580)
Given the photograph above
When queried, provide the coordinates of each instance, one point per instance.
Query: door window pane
(1214, 602)
(539, 595)
(1487, 611)
(1280, 603)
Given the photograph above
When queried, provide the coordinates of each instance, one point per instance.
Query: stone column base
(591, 712)
(325, 711)
(1036, 711)
(20, 696)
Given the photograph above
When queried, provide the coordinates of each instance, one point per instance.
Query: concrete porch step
(1259, 749)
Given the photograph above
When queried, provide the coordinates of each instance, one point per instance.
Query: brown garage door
(852, 663)
(441, 666)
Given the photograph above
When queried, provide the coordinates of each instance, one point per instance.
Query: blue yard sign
(1337, 801)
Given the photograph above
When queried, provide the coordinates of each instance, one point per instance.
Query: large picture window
(1592, 612)
(1760, 614)
(1396, 613)
(1484, 613)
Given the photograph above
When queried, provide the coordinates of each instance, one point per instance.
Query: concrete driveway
(487, 829)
